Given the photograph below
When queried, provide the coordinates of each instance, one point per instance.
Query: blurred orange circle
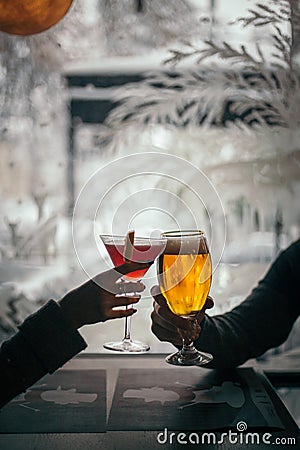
(25, 17)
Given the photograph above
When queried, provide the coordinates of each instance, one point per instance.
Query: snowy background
(256, 172)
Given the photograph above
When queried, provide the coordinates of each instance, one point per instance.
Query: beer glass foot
(193, 358)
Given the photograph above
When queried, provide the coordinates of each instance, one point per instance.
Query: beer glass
(184, 274)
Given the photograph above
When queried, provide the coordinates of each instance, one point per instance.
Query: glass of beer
(184, 273)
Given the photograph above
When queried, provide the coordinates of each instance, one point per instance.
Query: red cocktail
(142, 252)
(139, 250)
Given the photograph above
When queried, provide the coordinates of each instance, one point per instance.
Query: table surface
(130, 439)
(283, 369)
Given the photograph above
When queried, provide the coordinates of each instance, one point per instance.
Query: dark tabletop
(139, 390)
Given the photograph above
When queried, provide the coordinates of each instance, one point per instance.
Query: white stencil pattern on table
(61, 396)
(154, 394)
(228, 393)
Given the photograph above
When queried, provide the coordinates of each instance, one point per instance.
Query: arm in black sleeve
(44, 342)
(263, 321)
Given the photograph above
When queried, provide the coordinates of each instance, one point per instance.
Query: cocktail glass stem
(127, 327)
(127, 335)
(127, 345)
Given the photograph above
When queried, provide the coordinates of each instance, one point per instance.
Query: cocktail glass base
(127, 346)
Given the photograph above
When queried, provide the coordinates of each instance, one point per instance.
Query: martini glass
(144, 249)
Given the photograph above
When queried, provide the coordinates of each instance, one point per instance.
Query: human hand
(168, 327)
(95, 300)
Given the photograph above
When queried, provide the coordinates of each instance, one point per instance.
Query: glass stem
(127, 336)
(127, 326)
(187, 347)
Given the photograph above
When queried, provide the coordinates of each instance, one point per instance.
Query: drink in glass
(185, 272)
(143, 250)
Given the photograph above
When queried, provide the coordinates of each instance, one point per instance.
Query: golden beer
(185, 272)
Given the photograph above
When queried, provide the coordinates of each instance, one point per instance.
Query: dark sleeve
(263, 321)
(44, 342)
